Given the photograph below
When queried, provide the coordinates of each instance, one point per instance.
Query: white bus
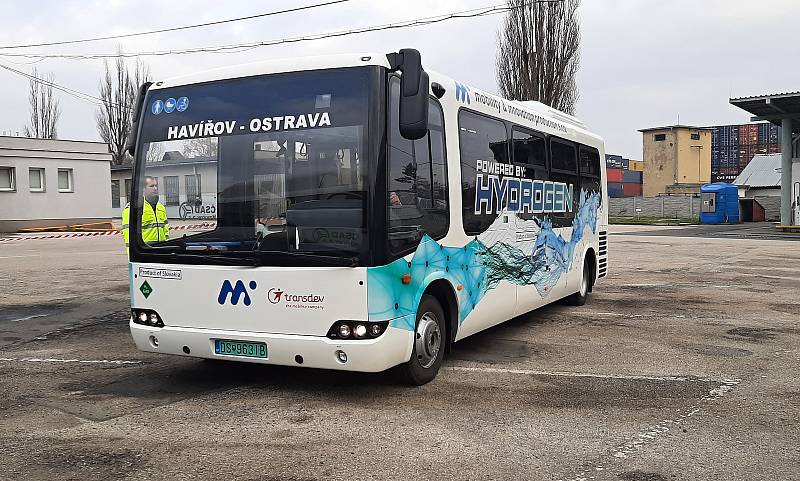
(366, 214)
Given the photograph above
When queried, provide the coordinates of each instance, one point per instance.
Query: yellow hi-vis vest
(155, 225)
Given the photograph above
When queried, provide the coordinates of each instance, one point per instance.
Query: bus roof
(531, 114)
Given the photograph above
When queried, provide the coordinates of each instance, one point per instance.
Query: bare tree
(45, 109)
(118, 90)
(202, 147)
(539, 52)
(156, 151)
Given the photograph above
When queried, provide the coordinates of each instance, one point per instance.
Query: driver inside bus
(155, 225)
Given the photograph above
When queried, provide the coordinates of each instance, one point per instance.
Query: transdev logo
(462, 93)
(274, 295)
(235, 292)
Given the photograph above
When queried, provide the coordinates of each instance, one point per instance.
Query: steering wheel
(346, 195)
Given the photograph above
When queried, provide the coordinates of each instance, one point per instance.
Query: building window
(36, 179)
(65, 181)
(660, 137)
(7, 181)
(696, 136)
(115, 194)
(128, 190)
(193, 189)
(171, 190)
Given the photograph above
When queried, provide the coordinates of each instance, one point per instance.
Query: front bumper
(369, 355)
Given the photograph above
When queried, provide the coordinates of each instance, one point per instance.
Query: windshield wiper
(222, 259)
(333, 260)
(253, 257)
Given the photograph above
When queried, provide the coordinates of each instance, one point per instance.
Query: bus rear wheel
(429, 344)
(580, 297)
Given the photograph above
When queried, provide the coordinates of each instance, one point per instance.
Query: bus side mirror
(130, 142)
(414, 86)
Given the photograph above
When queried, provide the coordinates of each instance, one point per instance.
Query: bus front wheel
(429, 344)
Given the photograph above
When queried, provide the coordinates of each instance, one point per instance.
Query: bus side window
(482, 139)
(564, 168)
(530, 151)
(590, 169)
(417, 180)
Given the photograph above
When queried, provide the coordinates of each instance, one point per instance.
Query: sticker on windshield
(169, 105)
(228, 127)
(158, 107)
(183, 104)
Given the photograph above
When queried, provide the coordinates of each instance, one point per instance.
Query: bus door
(529, 151)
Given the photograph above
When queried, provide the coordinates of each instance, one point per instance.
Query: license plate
(240, 348)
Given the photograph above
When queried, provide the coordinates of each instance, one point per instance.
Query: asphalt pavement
(683, 365)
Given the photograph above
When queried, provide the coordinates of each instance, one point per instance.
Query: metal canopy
(784, 110)
(773, 107)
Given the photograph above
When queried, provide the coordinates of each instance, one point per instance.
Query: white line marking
(28, 317)
(772, 237)
(531, 372)
(622, 314)
(79, 361)
(16, 257)
(653, 432)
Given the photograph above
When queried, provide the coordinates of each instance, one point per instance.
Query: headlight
(360, 330)
(357, 329)
(146, 317)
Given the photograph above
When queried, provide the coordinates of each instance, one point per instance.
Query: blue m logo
(462, 93)
(235, 292)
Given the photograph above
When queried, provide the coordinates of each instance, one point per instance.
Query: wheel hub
(428, 339)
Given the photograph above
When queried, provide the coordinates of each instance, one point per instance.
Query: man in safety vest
(155, 225)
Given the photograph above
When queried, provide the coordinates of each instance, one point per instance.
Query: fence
(681, 207)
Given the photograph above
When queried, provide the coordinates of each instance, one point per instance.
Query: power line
(241, 47)
(75, 93)
(236, 48)
(174, 29)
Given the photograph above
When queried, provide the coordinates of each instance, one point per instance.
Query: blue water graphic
(476, 268)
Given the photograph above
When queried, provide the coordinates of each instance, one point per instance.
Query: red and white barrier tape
(95, 234)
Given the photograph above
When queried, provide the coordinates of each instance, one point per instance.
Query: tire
(429, 344)
(580, 297)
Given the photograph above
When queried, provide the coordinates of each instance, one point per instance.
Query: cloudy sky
(644, 62)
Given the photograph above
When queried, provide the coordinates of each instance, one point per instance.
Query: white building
(187, 186)
(46, 183)
(180, 181)
(761, 180)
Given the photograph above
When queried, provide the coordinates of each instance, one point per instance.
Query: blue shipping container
(615, 189)
(631, 177)
(613, 161)
(720, 204)
(728, 136)
(763, 133)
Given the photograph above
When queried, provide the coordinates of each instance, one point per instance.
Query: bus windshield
(272, 165)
